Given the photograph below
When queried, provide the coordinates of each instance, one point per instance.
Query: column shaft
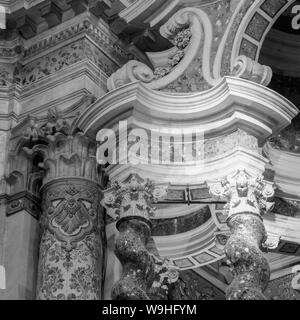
(72, 244)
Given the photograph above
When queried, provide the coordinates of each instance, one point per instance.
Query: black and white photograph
(149, 152)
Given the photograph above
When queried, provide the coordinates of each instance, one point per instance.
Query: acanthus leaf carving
(133, 198)
(245, 193)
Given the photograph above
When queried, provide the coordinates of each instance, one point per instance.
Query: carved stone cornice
(269, 107)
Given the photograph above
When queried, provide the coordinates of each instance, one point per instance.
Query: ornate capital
(245, 194)
(132, 198)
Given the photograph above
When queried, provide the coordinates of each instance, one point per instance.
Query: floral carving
(60, 59)
(53, 281)
(84, 281)
(134, 197)
(181, 41)
(245, 194)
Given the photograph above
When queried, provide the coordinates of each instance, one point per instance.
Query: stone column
(132, 201)
(72, 247)
(247, 202)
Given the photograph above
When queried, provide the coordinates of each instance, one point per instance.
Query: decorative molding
(194, 20)
(23, 201)
(248, 69)
(268, 112)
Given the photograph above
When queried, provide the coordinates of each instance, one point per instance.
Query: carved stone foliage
(66, 155)
(181, 41)
(132, 198)
(61, 59)
(245, 194)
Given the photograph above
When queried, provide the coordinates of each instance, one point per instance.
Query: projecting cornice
(233, 103)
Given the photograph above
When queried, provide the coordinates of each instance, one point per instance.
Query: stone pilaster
(133, 200)
(247, 201)
(72, 247)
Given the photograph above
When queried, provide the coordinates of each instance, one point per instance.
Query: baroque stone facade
(225, 226)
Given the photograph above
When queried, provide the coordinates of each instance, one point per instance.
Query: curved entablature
(234, 103)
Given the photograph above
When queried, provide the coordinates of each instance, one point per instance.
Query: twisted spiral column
(132, 200)
(248, 199)
(251, 268)
(138, 264)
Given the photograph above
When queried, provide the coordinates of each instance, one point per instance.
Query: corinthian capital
(245, 194)
(133, 197)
